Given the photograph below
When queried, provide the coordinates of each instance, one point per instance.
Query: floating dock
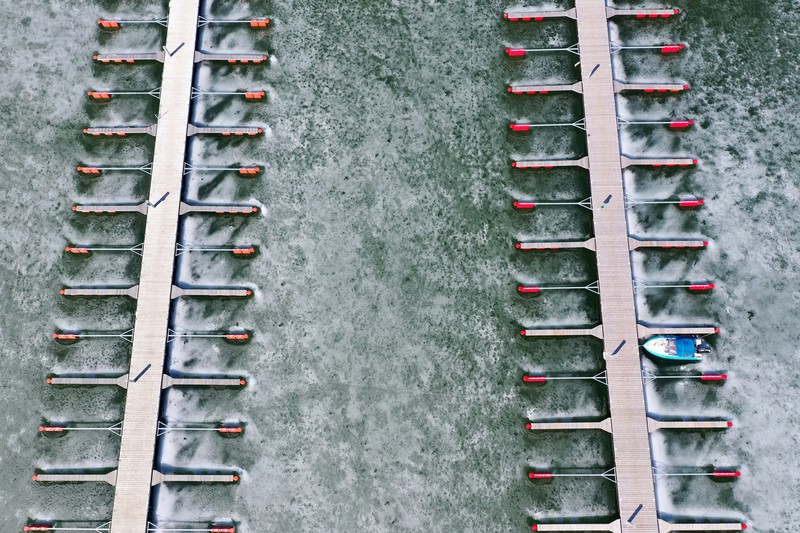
(159, 478)
(635, 243)
(131, 292)
(655, 425)
(635, 485)
(109, 478)
(217, 209)
(583, 162)
(588, 244)
(129, 57)
(169, 381)
(178, 292)
(525, 88)
(110, 209)
(621, 86)
(641, 13)
(122, 131)
(596, 331)
(118, 381)
(244, 59)
(602, 425)
(626, 162)
(619, 330)
(225, 131)
(629, 423)
(156, 476)
(666, 527)
(131, 508)
(526, 14)
(645, 331)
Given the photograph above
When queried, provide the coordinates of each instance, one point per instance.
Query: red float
(534, 379)
(727, 473)
(691, 203)
(672, 48)
(529, 290)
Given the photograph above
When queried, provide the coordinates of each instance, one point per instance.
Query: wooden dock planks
(135, 469)
(630, 436)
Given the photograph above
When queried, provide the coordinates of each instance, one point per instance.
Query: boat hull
(674, 349)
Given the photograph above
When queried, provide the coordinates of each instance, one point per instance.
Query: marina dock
(629, 423)
(158, 292)
(143, 400)
(632, 458)
(137, 470)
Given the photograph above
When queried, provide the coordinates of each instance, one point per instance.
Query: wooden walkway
(635, 486)
(603, 425)
(135, 468)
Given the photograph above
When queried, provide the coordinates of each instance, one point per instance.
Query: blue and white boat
(677, 348)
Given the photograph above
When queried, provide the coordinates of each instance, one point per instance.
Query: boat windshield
(682, 347)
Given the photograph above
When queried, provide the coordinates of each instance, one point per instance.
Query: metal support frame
(689, 201)
(153, 528)
(659, 473)
(610, 475)
(586, 203)
(674, 124)
(518, 126)
(160, 22)
(600, 377)
(187, 167)
(648, 376)
(90, 169)
(68, 336)
(520, 52)
(240, 335)
(592, 287)
(693, 287)
(76, 249)
(106, 526)
(107, 94)
(575, 49)
(164, 428)
(181, 249)
(116, 428)
(197, 93)
(203, 21)
(665, 48)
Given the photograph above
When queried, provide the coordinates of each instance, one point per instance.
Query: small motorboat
(677, 348)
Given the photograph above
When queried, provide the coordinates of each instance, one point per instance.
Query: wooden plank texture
(134, 473)
(630, 436)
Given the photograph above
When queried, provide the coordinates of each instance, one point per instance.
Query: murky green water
(385, 370)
